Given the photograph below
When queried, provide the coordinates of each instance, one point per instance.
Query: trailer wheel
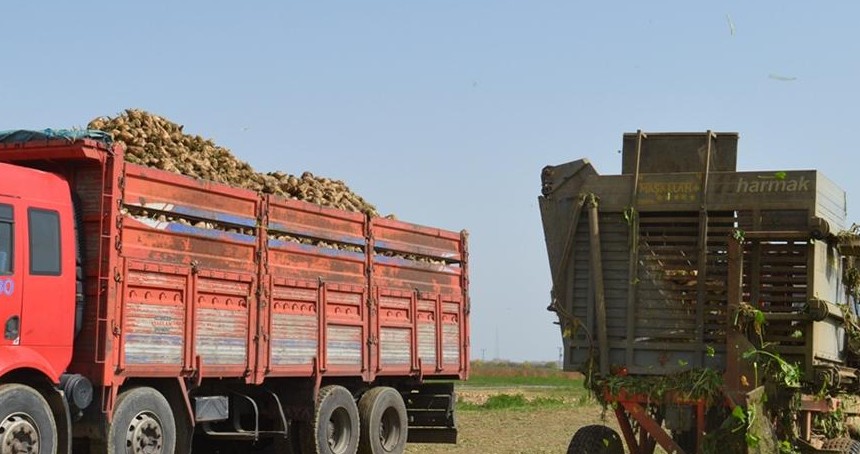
(335, 426)
(843, 445)
(142, 424)
(595, 439)
(383, 422)
(26, 421)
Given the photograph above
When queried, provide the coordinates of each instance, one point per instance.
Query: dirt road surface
(517, 431)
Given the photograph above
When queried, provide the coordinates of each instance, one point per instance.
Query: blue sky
(444, 112)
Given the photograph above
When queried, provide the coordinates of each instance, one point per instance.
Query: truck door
(10, 270)
(48, 313)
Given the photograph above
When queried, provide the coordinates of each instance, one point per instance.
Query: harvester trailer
(145, 311)
(710, 310)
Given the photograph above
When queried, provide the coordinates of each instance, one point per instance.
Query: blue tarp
(23, 135)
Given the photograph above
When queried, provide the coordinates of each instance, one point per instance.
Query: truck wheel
(595, 439)
(843, 445)
(335, 426)
(26, 422)
(383, 422)
(142, 424)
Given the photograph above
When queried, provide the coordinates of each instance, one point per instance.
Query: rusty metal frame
(648, 427)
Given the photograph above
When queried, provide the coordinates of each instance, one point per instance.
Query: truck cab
(37, 304)
(37, 271)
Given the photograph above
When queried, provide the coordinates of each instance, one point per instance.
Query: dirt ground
(516, 431)
(528, 430)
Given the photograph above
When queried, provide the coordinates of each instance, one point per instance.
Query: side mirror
(13, 328)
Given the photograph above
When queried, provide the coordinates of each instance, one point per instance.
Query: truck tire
(843, 445)
(143, 423)
(335, 428)
(26, 421)
(383, 422)
(595, 439)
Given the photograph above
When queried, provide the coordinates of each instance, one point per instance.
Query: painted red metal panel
(428, 267)
(316, 260)
(187, 221)
(393, 272)
(102, 273)
(43, 304)
(428, 338)
(396, 326)
(224, 317)
(54, 150)
(345, 330)
(394, 235)
(294, 329)
(154, 319)
(173, 193)
(313, 221)
(168, 242)
(314, 264)
(452, 335)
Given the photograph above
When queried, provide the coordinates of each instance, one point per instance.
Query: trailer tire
(384, 425)
(595, 439)
(335, 428)
(843, 445)
(25, 419)
(142, 423)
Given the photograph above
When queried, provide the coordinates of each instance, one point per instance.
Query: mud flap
(430, 410)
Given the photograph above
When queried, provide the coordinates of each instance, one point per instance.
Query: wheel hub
(389, 430)
(338, 431)
(19, 435)
(144, 435)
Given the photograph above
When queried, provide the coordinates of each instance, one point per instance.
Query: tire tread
(595, 439)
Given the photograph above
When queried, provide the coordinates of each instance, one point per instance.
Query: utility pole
(497, 343)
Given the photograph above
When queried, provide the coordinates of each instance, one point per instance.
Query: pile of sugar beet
(155, 141)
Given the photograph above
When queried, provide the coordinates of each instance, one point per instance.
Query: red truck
(148, 312)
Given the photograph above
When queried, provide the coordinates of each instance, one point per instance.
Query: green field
(512, 374)
(498, 385)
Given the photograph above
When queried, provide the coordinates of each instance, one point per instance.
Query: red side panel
(419, 279)
(225, 318)
(154, 318)
(191, 276)
(165, 196)
(318, 289)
